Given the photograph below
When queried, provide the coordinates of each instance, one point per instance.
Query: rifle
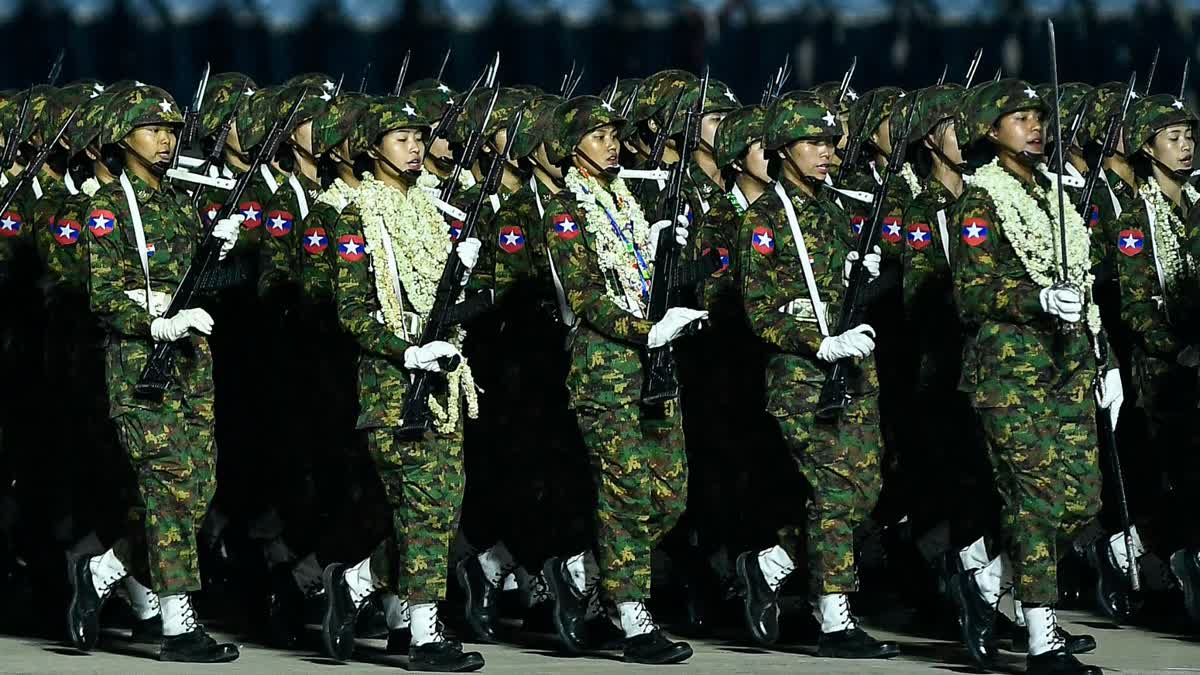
(445, 60)
(945, 71)
(855, 144)
(1153, 68)
(191, 118)
(217, 152)
(35, 165)
(845, 88)
(834, 395)
(416, 418)
(660, 383)
(337, 88)
(156, 375)
(1111, 135)
(1183, 81)
(12, 137)
(566, 80)
(660, 146)
(999, 74)
(630, 101)
(974, 66)
(470, 151)
(56, 68)
(403, 74)
(362, 82)
(1073, 130)
(454, 110)
(1057, 112)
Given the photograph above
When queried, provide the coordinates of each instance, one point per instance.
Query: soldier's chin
(612, 171)
(160, 168)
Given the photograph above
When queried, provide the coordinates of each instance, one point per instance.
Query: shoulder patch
(919, 235)
(856, 224)
(350, 247)
(891, 230)
(252, 211)
(763, 240)
(279, 223)
(315, 240)
(724, 253)
(210, 212)
(10, 224)
(565, 226)
(512, 239)
(455, 230)
(975, 231)
(1093, 216)
(66, 232)
(1131, 242)
(101, 223)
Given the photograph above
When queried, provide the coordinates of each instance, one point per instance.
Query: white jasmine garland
(1169, 230)
(90, 187)
(615, 256)
(1034, 236)
(910, 177)
(338, 195)
(419, 241)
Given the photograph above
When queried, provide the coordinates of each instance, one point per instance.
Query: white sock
(635, 618)
(1116, 544)
(496, 562)
(833, 611)
(975, 555)
(776, 566)
(424, 624)
(988, 579)
(307, 574)
(178, 616)
(106, 570)
(142, 600)
(361, 582)
(396, 612)
(1042, 624)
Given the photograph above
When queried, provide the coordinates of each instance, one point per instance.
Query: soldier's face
(813, 158)
(883, 136)
(440, 148)
(947, 142)
(302, 136)
(153, 143)
(403, 148)
(1019, 132)
(756, 161)
(543, 160)
(601, 146)
(708, 127)
(1174, 146)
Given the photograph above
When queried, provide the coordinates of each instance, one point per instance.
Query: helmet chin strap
(443, 164)
(156, 168)
(1180, 175)
(610, 172)
(410, 175)
(787, 157)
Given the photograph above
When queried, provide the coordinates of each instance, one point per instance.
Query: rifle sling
(139, 233)
(810, 279)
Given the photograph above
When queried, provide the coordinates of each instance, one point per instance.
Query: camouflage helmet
(529, 91)
(225, 92)
(431, 100)
(934, 104)
(625, 88)
(313, 80)
(1072, 95)
(389, 113)
(136, 107)
(798, 115)
(873, 108)
(88, 123)
(1104, 101)
(984, 105)
(656, 95)
(312, 102)
(508, 102)
(717, 99)
(254, 120)
(45, 110)
(737, 132)
(10, 103)
(1149, 115)
(573, 120)
(427, 83)
(829, 93)
(539, 116)
(336, 121)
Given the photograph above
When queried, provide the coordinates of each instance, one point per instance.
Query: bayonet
(1153, 68)
(846, 81)
(362, 82)
(403, 74)
(56, 68)
(445, 60)
(974, 66)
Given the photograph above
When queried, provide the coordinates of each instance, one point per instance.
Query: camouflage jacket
(891, 233)
(171, 239)
(279, 261)
(18, 225)
(1014, 352)
(317, 259)
(1147, 311)
(242, 263)
(483, 277)
(1102, 217)
(65, 245)
(777, 297)
(520, 244)
(719, 231)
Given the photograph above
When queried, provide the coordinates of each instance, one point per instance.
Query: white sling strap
(301, 196)
(272, 184)
(1112, 195)
(389, 251)
(740, 197)
(809, 278)
(37, 187)
(69, 182)
(945, 232)
(564, 309)
(139, 232)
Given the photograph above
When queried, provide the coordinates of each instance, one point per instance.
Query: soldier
(143, 235)
(1029, 366)
(601, 253)
(392, 220)
(792, 229)
(432, 98)
(1154, 253)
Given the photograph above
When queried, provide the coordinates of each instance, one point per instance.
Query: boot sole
(1188, 584)
(839, 654)
(748, 614)
(327, 623)
(981, 661)
(460, 573)
(182, 659)
(552, 578)
(470, 665)
(679, 656)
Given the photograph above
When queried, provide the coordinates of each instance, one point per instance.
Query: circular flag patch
(763, 240)
(919, 236)
(315, 240)
(1131, 242)
(974, 231)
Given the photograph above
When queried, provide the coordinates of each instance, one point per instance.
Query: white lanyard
(272, 184)
(301, 197)
(395, 268)
(564, 310)
(941, 218)
(1113, 196)
(740, 197)
(139, 233)
(495, 200)
(875, 173)
(69, 182)
(1152, 217)
(37, 187)
(809, 278)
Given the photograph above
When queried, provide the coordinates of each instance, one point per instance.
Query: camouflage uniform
(839, 460)
(1029, 376)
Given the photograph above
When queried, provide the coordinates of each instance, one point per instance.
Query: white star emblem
(829, 118)
(893, 229)
(1030, 93)
(212, 214)
(851, 94)
(98, 87)
(7, 224)
(409, 110)
(277, 223)
(66, 231)
(329, 85)
(351, 247)
(511, 239)
(1134, 95)
(1129, 242)
(138, 83)
(974, 231)
(764, 239)
(326, 97)
(729, 95)
(251, 214)
(568, 226)
(315, 239)
(165, 106)
(449, 101)
(919, 235)
(607, 106)
(443, 88)
(249, 92)
(95, 94)
(100, 223)
(902, 95)
(1178, 105)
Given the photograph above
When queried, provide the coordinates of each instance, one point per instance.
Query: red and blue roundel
(856, 224)
(512, 239)
(975, 231)
(891, 230)
(10, 224)
(210, 212)
(315, 240)
(565, 226)
(101, 223)
(252, 212)
(1131, 242)
(919, 236)
(1093, 216)
(455, 231)
(763, 240)
(350, 247)
(151, 249)
(66, 232)
(279, 223)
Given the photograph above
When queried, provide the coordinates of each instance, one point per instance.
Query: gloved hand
(159, 301)
(227, 231)
(858, 343)
(871, 263)
(672, 324)
(681, 233)
(177, 327)
(468, 252)
(1064, 302)
(425, 357)
(1110, 394)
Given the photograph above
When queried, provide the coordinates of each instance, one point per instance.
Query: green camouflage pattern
(253, 121)
(625, 87)
(718, 98)
(317, 264)
(737, 132)
(656, 96)
(508, 102)
(387, 114)
(840, 461)
(519, 243)
(66, 255)
(431, 100)
(136, 107)
(573, 120)
(829, 92)
(1104, 101)
(44, 108)
(984, 105)
(89, 122)
(335, 123)
(934, 104)
(928, 289)
(538, 120)
(1072, 96)
(1147, 116)
(874, 107)
(318, 82)
(225, 92)
(281, 250)
(798, 115)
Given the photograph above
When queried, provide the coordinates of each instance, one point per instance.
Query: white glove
(227, 231)
(672, 325)
(426, 357)
(1063, 302)
(870, 263)
(468, 252)
(858, 343)
(1110, 394)
(176, 327)
(681, 233)
(159, 301)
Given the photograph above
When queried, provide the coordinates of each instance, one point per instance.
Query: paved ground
(1122, 650)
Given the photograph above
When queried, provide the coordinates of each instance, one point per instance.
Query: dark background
(902, 42)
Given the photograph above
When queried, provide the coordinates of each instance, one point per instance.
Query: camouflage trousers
(1045, 462)
(840, 461)
(174, 461)
(424, 484)
(640, 471)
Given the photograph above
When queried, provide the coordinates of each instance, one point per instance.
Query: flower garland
(418, 238)
(338, 195)
(90, 187)
(1166, 247)
(910, 177)
(616, 256)
(1035, 237)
